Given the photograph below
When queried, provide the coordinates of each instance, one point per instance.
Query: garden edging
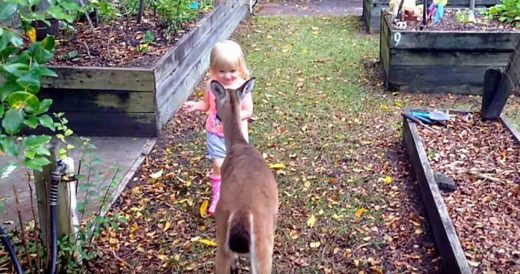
(111, 101)
(445, 236)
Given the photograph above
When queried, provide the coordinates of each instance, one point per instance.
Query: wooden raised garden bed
(113, 101)
(441, 61)
(372, 10)
(476, 226)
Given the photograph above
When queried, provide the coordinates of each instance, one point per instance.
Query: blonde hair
(228, 54)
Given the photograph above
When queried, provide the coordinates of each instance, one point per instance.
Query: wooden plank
(437, 79)
(137, 79)
(444, 234)
(172, 92)
(452, 58)
(170, 61)
(113, 124)
(511, 128)
(443, 40)
(366, 13)
(79, 100)
(181, 92)
(375, 19)
(384, 55)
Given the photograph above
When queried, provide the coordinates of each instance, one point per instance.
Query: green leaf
(2, 110)
(7, 10)
(59, 13)
(17, 69)
(42, 151)
(12, 121)
(68, 132)
(31, 122)
(36, 163)
(1, 31)
(40, 54)
(13, 38)
(46, 121)
(45, 72)
(48, 43)
(5, 50)
(10, 147)
(30, 154)
(7, 88)
(44, 106)
(70, 6)
(29, 82)
(25, 100)
(34, 141)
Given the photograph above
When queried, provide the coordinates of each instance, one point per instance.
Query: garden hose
(10, 249)
(56, 176)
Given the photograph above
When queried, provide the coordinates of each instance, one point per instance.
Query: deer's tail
(240, 236)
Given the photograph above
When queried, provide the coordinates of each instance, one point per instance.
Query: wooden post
(498, 85)
(42, 183)
(68, 220)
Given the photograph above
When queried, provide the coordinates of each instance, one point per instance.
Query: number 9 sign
(397, 38)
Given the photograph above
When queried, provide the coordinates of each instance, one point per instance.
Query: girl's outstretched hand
(190, 106)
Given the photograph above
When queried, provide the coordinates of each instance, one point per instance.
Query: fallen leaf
(207, 242)
(388, 180)
(315, 244)
(360, 212)
(277, 166)
(311, 221)
(167, 226)
(157, 174)
(203, 210)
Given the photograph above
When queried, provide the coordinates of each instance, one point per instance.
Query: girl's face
(227, 76)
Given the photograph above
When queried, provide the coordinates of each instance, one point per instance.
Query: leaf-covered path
(348, 202)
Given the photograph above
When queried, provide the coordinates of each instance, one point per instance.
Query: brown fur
(248, 188)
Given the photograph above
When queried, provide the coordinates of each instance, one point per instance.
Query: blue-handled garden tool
(431, 117)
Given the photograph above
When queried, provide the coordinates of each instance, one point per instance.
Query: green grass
(328, 120)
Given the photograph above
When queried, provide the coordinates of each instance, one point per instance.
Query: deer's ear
(246, 88)
(218, 90)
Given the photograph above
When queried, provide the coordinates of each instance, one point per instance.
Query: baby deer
(248, 206)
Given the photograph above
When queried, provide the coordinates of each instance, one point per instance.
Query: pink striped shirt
(215, 126)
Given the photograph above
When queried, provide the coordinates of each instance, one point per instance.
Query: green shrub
(506, 12)
(175, 13)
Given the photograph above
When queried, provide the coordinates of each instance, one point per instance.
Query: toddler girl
(227, 66)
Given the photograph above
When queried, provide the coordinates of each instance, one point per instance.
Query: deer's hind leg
(262, 262)
(224, 261)
(225, 258)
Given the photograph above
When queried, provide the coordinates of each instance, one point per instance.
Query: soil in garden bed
(122, 43)
(450, 22)
(484, 161)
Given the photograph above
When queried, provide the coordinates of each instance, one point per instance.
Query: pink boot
(215, 194)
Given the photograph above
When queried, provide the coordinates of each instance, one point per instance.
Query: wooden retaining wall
(140, 101)
(441, 61)
(445, 236)
(372, 10)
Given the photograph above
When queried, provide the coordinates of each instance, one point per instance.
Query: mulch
(120, 43)
(483, 158)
